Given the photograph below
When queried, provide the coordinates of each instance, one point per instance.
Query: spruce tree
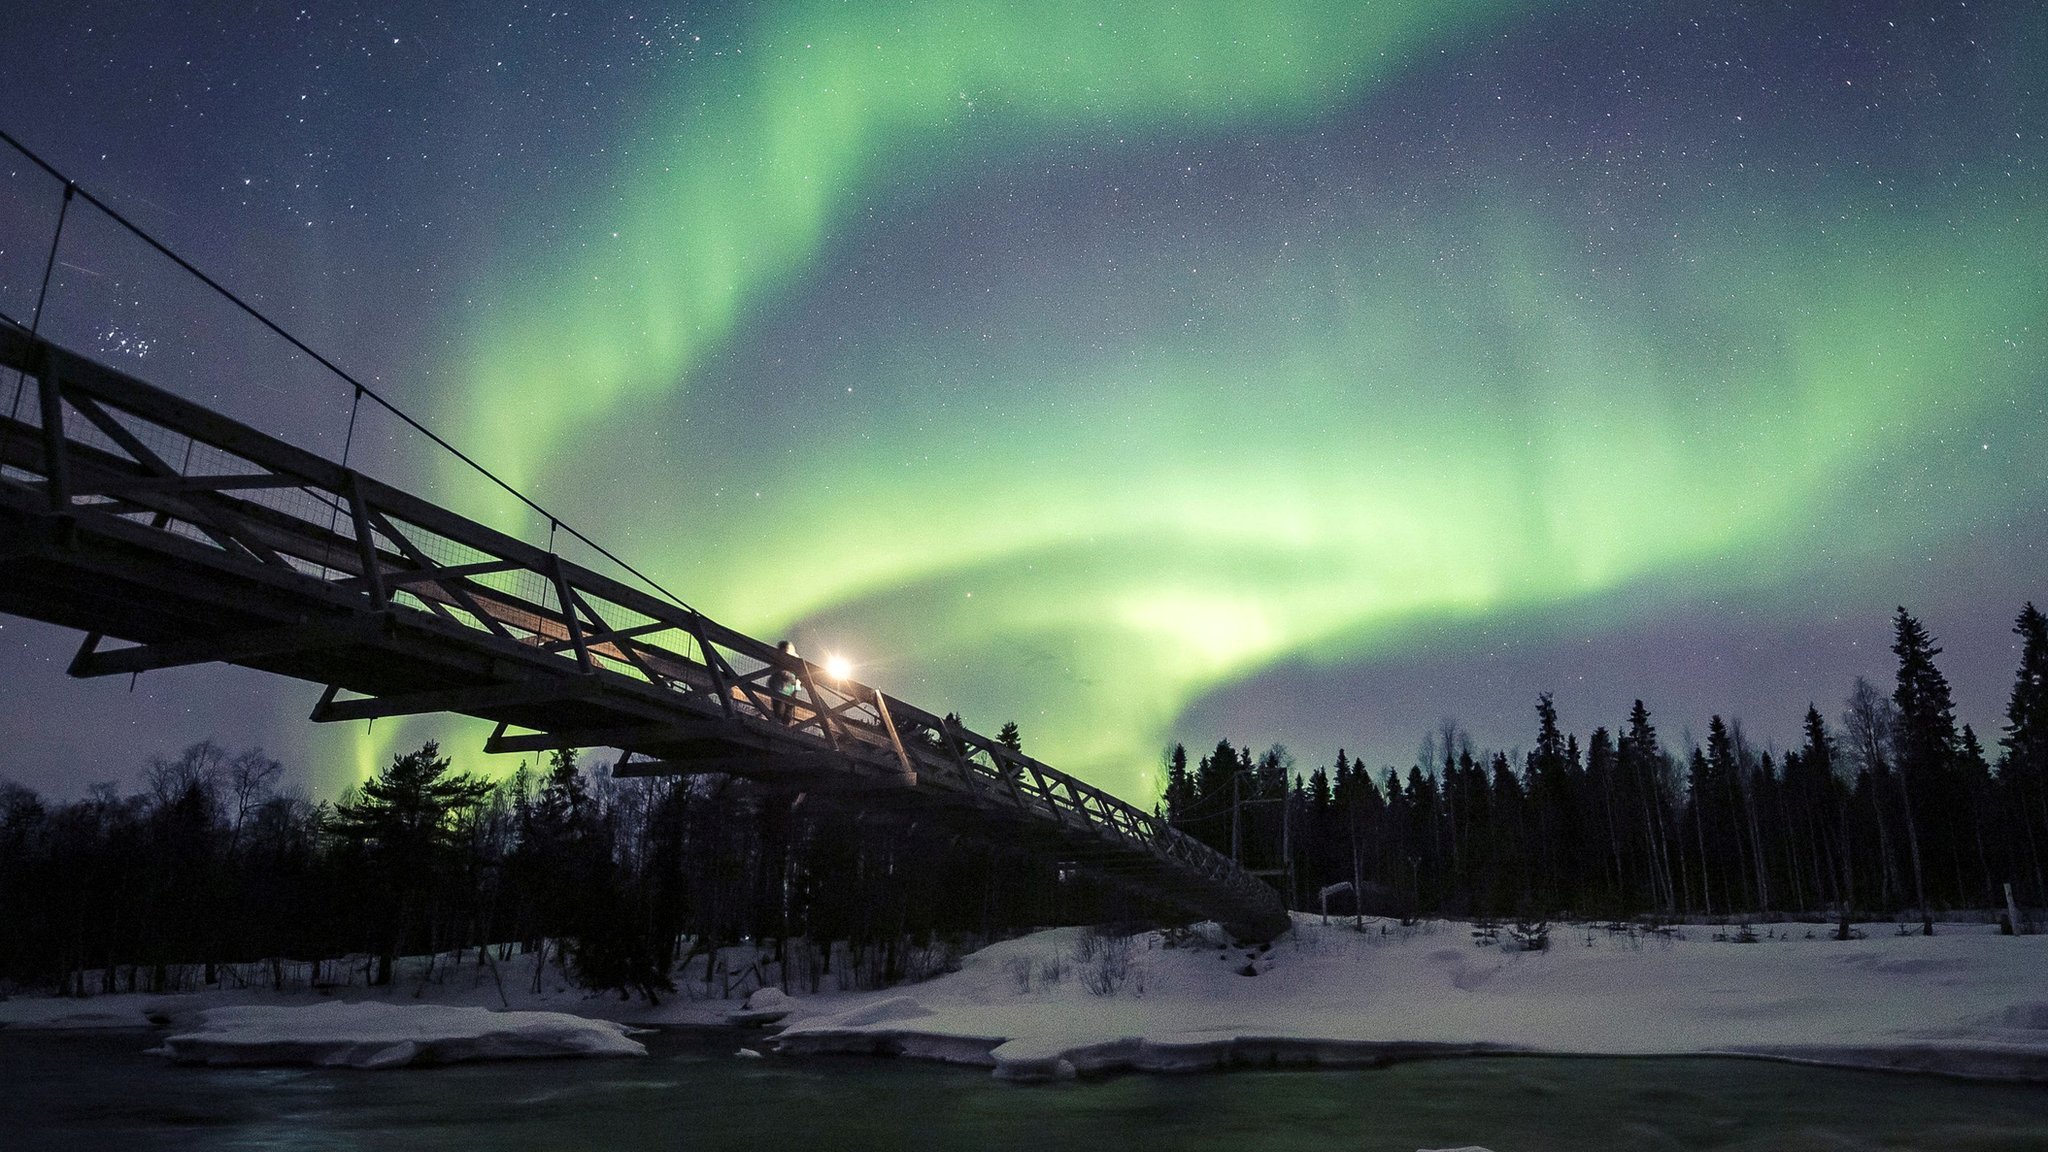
(1926, 736)
(2023, 766)
(1551, 803)
(1009, 737)
(2026, 711)
(1179, 798)
(405, 819)
(1319, 793)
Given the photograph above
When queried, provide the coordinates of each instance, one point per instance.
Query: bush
(1104, 962)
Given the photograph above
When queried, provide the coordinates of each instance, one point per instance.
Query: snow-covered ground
(374, 1035)
(1966, 1001)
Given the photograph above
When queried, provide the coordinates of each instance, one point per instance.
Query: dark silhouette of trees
(1924, 740)
(405, 826)
(2023, 765)
(634, 885)
(1009, 737)
(1900, 809)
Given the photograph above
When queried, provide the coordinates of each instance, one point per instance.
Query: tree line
(619, 883)
(1893, 808)
(623, 883)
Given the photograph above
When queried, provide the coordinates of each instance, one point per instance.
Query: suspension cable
(35, 318)
(347, 442)
(72, 188)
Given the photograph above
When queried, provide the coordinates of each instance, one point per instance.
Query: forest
(1890, 810)
(619, 882)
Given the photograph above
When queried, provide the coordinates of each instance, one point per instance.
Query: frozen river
(94, 1090)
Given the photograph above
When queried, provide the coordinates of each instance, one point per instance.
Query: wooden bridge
(134, 515)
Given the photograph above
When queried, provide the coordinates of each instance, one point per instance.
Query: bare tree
(199, 766)
(251, 779)
(1868, 721)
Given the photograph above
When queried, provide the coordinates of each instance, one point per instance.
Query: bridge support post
(567, 600)
(56, 466)
(366, 542)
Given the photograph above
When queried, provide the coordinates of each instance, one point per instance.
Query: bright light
(838, 667)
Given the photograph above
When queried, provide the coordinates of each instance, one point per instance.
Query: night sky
(1298, 373)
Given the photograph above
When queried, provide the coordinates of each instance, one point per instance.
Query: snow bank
(1964, 1002)
(371, 1035)
(764, 1006)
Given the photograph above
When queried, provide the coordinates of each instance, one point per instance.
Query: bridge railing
(90, 443)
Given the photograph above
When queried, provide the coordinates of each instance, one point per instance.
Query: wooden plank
(762, 766)
(182, 485)
(472, 701)
(230, 649)
(653, 735)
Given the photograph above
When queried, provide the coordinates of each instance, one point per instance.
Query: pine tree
(1816, 794)
(405, 819)
(1600, 783)
(1179, 797)
(2023, 767)
(1009, 737)
(1642, 763)
(1926, 736)
(1319, 793)
(1551, 805)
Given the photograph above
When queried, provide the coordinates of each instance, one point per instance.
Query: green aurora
(1163, 452)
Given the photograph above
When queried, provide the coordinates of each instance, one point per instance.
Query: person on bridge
(785, 684)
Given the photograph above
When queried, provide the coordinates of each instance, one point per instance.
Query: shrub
(1104, 962)
(1531, 935)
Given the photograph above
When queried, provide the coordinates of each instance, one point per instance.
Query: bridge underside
(268, 557)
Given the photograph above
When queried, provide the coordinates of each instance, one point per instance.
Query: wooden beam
(179, 485)
(888, 725)
(203, 516)
(49, 397)
(751, 766)
(230, 649)
(567, 603)
(366, 543)
(474, 701)
(636, 736)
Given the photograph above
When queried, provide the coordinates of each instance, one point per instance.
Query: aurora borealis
(1287, 373)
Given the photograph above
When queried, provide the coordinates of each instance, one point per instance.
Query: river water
(85, 1090)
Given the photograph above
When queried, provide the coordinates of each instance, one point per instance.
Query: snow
(1966, 1001)
(375, 1035)
(764, 1006)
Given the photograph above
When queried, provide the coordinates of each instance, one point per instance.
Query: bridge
(172, 535)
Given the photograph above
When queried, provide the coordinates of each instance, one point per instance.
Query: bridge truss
(134, 515)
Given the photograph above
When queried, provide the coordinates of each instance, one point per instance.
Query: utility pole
(1236, 821)
(1287, 846)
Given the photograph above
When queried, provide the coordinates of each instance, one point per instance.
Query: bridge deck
(256, 553)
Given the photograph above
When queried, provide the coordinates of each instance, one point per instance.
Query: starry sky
(1138, 372)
